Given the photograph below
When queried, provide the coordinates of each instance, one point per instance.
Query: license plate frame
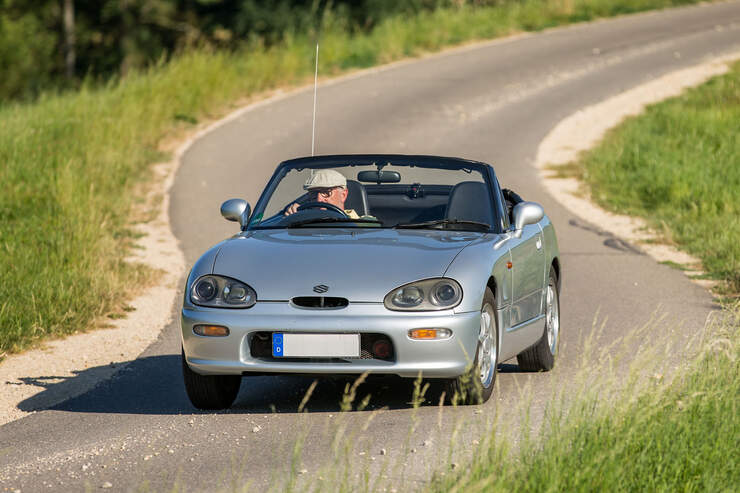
(315, 345)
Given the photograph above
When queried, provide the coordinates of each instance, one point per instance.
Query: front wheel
(209, 392)
(475, 386)
(541, 356)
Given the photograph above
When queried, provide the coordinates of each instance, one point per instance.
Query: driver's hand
(292, 209)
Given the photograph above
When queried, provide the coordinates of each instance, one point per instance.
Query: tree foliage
(115, 36)
(26, 54)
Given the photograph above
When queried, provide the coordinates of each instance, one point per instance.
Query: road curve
(492, 102)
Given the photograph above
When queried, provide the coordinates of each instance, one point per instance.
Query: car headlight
(222, 292)
(429, 294)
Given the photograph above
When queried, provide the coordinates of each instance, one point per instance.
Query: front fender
(475, 265)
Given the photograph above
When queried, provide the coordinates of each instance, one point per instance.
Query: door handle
(538, 243)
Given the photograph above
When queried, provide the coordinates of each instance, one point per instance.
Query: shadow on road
(153, 385)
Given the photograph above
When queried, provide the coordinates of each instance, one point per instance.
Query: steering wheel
(321, 205)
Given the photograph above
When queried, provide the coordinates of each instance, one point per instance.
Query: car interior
(414, 203)
(382, 196)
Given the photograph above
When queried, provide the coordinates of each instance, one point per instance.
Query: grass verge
(71, 162)
(678, 166)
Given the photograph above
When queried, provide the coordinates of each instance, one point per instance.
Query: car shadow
(153, 385)
(509, 368)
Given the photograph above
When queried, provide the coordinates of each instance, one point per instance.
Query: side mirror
(526, 213)
(236, 210)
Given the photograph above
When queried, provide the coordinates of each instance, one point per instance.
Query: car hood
(357, 264)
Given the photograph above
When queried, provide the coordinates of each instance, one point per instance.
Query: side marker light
(211, 330)
(427, 334)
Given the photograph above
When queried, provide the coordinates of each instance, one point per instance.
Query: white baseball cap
(325, 178)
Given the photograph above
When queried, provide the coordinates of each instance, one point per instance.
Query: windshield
(372, 196)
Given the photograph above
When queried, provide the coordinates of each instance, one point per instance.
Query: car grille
(260, 346)
(320, 302)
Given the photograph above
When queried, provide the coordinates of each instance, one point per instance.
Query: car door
(528, 274)
(527, 266)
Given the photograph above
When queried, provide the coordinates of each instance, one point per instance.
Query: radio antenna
(315, 83)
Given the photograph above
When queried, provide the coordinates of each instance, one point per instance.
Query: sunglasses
(325, 193)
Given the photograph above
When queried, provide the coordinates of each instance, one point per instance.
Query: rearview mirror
(236, 210)
(379, 176)
(526, 213)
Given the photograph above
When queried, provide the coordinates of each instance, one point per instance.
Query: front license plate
(315, 345)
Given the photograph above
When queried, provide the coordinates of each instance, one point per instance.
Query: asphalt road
(493, 102)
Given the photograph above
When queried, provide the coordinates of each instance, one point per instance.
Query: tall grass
(679, 167)
(70, 162)
(681, 436)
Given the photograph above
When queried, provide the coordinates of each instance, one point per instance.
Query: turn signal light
(211, 330)
(430, 333)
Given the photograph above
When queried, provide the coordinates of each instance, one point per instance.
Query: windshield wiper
(319, 220)
(443, 224)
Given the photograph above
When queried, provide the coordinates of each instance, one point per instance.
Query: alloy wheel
(487, 352)
(552, 317)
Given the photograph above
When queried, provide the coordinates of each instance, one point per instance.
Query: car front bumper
(441, 358)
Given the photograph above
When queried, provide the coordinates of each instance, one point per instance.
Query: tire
(475, 386)
(209, 392)
(541, 356)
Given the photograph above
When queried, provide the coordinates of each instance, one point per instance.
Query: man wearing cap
(327, 185)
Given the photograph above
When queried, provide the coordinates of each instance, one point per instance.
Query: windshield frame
(350, 160)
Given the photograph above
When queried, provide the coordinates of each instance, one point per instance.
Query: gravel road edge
(585, 128)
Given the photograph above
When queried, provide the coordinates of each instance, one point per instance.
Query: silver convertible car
(386, 264)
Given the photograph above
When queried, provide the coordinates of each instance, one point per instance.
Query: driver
(326, 185)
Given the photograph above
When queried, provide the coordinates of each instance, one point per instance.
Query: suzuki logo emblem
(320, 288)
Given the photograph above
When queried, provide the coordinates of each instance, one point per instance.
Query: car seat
(470, 201)
(356, 198)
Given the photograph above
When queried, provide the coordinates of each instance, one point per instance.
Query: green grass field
(71, 162)
(679, 167)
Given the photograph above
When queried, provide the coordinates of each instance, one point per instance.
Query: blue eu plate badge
(277, 345)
